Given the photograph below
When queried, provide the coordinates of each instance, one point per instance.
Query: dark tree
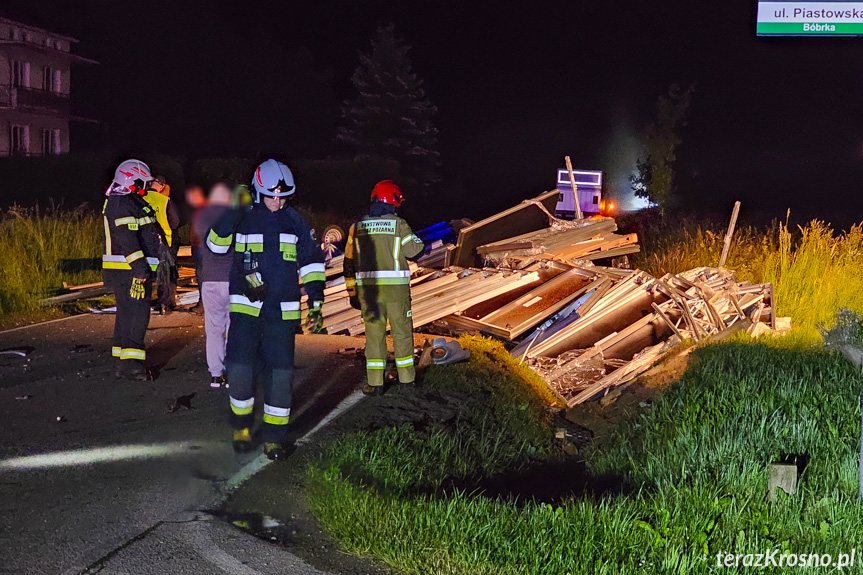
(655, 178)
(391, 117)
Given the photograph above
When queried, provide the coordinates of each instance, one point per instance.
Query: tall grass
(696, 464)
(815, 270)
(41, 249)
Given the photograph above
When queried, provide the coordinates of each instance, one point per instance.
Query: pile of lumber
(626, 326)
(434, 293)
(567, 242)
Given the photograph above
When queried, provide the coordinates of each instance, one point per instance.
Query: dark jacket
(279, 245)
(132, 238)
(212, 266)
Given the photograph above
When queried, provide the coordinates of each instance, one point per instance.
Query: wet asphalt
(140, 507)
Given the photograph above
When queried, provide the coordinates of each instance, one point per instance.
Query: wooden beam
(667, 321)
(578, 214)
(726, 244)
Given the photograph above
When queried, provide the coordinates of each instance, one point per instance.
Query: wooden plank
(578, 214)
(726, 244)
(588, 329)
(575, 277)
(469, 324)
(522, 218)
(627, 372)
(667, 321)
(771, 291)
(687, 315)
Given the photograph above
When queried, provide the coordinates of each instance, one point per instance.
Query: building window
(47, 79)
(28, 37)
(50, 142)
(16, 34)
(20, 74)
(595, 200)
(47, 144)
(20, 140)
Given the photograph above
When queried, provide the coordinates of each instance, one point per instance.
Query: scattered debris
(182, 402)
(110, 309)
(22, 397)
(534, 280)
(20, 352)
(62, 419)
(445, 352)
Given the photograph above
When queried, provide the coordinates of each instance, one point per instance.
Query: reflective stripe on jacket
(280, 244)
(131, 239)
(377, 251)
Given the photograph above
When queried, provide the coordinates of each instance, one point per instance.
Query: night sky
(775, 122)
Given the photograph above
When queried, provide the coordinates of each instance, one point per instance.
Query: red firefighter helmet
(388, 192)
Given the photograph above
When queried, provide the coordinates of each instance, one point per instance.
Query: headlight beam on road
(98, 455)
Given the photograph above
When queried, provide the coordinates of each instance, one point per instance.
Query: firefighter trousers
(381, 304)
(265, 346)
(131, 320)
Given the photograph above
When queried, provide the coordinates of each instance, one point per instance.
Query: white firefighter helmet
(273, 179)
(133, 174)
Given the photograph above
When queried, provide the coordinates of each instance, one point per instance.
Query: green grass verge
(695, 462)
(41, 250)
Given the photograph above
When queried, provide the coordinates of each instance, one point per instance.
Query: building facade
(35, 74)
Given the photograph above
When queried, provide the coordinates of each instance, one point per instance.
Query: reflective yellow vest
(159, 203)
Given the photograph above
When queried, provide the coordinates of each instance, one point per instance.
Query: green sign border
(796, 29)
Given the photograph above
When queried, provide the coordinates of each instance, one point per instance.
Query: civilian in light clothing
(213, 277)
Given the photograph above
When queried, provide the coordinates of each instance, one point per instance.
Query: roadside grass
(694, 463)
(40, 250)
(815, 270)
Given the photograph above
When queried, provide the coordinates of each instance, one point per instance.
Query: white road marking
(261, 461)
(43, 323)
(213, 554)
(338, 410)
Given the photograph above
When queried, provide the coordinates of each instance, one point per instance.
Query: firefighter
(168, 219)
(378, 280)
(274, 249)
(132, 244)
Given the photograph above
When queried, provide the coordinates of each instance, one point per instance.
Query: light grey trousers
(217, 305)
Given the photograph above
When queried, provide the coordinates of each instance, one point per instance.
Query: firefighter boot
(375, 390)
(243, 440)
(132, 370)
(277, 451)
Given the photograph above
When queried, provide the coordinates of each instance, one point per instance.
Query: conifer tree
(391, 117)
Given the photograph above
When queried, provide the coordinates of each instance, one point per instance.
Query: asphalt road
(99, 475)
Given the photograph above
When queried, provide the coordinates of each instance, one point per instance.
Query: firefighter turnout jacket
(377, 252)
(131, 237)
(377, 272)
(280, 246)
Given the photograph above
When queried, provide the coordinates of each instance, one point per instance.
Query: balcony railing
(34, 99)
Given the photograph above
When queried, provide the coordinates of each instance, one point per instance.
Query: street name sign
(810, 18)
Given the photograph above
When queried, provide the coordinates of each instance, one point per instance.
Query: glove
(137, 290)
(352, 294)
(315, 321)
(255, 289)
